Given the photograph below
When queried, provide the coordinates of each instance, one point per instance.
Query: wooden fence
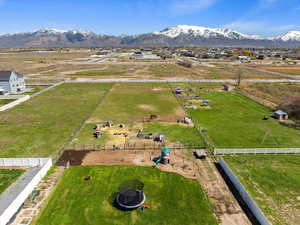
(134, 147)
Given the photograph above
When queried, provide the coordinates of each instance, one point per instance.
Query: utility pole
(239, 77)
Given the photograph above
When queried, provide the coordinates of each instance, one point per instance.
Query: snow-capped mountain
(290, 36)
(181, 35)
(205, 32)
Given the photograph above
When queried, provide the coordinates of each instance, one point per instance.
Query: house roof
(280, 112)
(5, 75)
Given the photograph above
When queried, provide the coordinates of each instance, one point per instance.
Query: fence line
(235, 151)
(14, 196)
(56, 156)
(23, 162)
(46, 89)
(207, 142)
(243, 194)
(155, 146)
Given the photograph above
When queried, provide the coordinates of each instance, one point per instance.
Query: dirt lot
(225, 206)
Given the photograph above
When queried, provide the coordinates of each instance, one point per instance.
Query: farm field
(227, 71)
(274, 183)
(175, 134)
(7, 177)
(91, 202)
(42, 125)
(135, 102)
(277, 93)
(291, 70)
(234, 121)
(76, 65)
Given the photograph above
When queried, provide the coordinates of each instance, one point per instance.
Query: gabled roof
(5, 75)
(280, 112)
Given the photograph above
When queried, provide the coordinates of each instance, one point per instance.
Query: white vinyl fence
(23, 162)
(15, 195)
(235, 151)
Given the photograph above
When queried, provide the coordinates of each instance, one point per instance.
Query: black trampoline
(130, 195)
(131, 198)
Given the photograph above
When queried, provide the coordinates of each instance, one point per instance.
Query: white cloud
(188, 6)
(254, 27)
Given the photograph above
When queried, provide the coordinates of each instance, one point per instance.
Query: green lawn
(135, 101)
(86, 137)
(274, 182)
(6, 101)
(42, 125)
(173, 198)
(35, 88)
(235, 121)
(7, 177)
(188, 136)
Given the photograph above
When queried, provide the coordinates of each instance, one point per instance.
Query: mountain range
(181, 35)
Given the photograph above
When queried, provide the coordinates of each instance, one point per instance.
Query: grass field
(86, 136)
(188, 136)
(35, 88)
(7, 177)
(137, 101)
(291, 70)
(5, 101)
(274, 92)
(173, 198)
(274, 182)
(40, 126)
(235, 121)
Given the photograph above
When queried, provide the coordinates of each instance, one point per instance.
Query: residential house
(11, 82)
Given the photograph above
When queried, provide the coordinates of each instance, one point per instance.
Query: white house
(142, 55)
(11, 82)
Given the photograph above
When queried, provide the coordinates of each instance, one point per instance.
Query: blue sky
(264, 17)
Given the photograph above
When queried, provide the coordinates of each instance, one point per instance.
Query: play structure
(131, 198)
(131, 195)
(164, 157)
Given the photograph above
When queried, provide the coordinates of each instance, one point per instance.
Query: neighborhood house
(11, 82)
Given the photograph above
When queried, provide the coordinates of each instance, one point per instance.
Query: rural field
(274, 183)
(277, 93)
(77, 64)
(7, 177)
(42, 125)
(91, 202)
(291, 70)
(234, 121)
(135, 102)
